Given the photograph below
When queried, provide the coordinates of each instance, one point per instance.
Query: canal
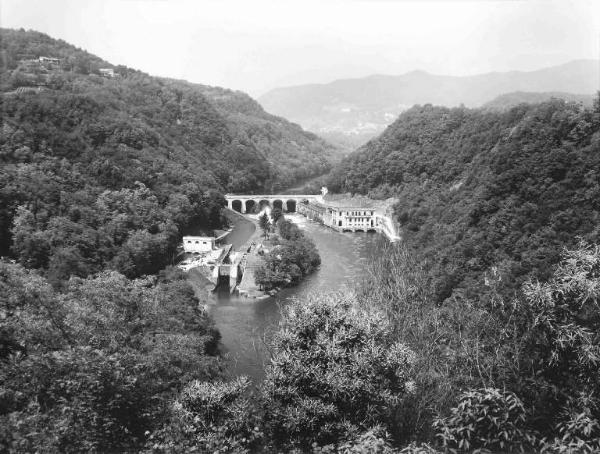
(245, 324)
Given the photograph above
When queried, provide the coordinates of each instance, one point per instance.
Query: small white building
(53, 60)
(107, 72)
(198, 243)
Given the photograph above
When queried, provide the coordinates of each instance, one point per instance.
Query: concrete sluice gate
(228, 277)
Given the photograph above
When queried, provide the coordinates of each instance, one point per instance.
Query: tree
(276, 215)
(486, 419)
(92, 368)
(30, 245)
(336, 371)
(211, 417)
(562, 329)
(265, 224)
(75, 400)
(293, 257)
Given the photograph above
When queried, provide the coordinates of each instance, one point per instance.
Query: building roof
(349, 201)
(316, 206)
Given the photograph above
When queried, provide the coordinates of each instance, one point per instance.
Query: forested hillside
(75, 145)
(101, 172)
(293, 153)
(485, 193)
(513, 99)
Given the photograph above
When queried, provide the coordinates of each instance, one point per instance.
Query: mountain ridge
(427, 73)
(361, 107)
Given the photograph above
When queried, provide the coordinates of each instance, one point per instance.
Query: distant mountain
(361, 108)
(509, 100)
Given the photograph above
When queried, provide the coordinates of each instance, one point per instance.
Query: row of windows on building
(358, 219)
(357, 213)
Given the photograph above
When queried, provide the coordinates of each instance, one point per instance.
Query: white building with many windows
(354, 214)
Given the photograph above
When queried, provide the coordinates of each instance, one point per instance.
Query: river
(246, 323)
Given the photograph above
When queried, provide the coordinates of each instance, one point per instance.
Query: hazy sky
(258, 45)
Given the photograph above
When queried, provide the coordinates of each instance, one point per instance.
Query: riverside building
(347, 213)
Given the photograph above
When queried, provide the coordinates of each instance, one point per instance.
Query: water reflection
(246, 323)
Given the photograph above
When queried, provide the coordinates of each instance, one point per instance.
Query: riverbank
(245, 237)
(247, 324)
(247, 287)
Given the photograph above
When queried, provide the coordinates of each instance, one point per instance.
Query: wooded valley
(478, 332)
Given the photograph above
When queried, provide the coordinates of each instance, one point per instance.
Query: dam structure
(341, 212)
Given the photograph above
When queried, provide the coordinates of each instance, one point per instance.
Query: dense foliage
(213, 416)
(336, 371)
(336, 376)
(291, 257)
(504, 332)
(517, 374)
(388, 370)
(509, 100)
(92, 368)
(484, 192)
(99, 178)
(82, 134)
(485, 419)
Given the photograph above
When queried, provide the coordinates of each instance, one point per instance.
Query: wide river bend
(246, 323)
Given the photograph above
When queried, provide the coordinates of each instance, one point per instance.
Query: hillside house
(107, 72)
(51, 60)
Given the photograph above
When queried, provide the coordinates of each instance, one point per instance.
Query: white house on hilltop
(107, 72)
(52, 60)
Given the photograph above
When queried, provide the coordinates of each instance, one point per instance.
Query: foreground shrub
(211, 417)
(76, 400)
(563, 352)
(373, 441)
(487, 418)
(93, 368)
(578, 429)
(336, 371)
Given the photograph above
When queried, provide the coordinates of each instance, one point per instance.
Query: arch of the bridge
(278, 203)
(262, 203)
(251, 205)
(237, 205)
(290, 205)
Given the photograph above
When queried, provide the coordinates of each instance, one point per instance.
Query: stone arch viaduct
(255, 203)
